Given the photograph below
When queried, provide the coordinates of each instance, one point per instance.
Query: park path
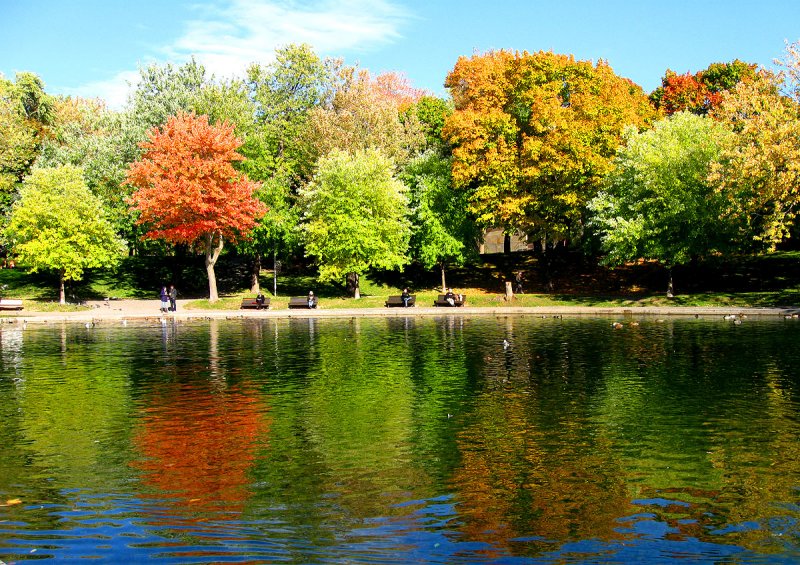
(149, 310)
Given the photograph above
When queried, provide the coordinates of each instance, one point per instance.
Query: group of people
(169, 299)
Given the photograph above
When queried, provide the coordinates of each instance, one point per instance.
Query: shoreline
(148, 310)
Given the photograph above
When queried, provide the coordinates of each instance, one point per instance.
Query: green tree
(658, 203)
(26, 112)
(355, 216)
(88, 135)
(283, 93)
(443, 231)
(59, 225)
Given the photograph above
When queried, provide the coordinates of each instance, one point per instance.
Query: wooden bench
(441, 301)
(301, 302)
(10, 304)
(397, 301)
(252, 304)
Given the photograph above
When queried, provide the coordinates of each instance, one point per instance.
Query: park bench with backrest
(301, 302)
(458, 300)
(252, 304)
(397, 301)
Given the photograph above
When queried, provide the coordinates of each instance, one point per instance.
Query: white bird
(505, 344)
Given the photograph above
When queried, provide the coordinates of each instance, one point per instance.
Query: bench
(397, 301)
(458, 302)
(10, 304)
(252, 304)
(301, 302)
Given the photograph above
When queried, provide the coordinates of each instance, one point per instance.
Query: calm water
(402, 440)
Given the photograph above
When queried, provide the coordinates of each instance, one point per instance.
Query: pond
(518, 439)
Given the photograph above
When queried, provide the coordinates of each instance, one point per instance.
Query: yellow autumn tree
(760, 173)
(534, 134)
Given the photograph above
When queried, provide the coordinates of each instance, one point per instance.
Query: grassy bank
(559, 279)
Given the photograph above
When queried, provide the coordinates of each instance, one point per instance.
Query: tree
(443, 231)
(187, 190)
(283, 93)
(658, 203)
(354, 216)
(533, 135)
(362, 113)
(761, 170)
(58, 224)
(26, 112)
(702, 92)
(88, 135)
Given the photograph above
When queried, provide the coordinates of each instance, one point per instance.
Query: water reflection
(401, 439)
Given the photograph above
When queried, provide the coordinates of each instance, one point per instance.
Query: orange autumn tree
(187, 190)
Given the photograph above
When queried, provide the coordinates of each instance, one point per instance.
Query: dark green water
(402, 440)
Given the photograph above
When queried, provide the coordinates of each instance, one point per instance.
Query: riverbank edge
(100, 315)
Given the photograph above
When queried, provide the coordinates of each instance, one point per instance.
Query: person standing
(164, 300)
(173, 298)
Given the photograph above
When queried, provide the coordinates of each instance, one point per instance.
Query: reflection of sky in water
(454, 440)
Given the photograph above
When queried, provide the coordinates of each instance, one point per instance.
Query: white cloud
(114, 90)
(226, 37)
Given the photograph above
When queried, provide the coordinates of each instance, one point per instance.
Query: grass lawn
(565, 279)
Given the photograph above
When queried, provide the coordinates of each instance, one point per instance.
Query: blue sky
(94, 48)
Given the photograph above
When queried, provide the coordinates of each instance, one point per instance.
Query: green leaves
(658, 203)
(354, 215)
(58, 225)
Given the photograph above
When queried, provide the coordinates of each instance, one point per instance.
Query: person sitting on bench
(405, 297)
(312, 301)
(450, 297)
(260, 300)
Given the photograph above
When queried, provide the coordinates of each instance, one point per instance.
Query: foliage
(533, 135)
(187, 190)
(58, 225)
(26, 112)
(432, 114)
(761, 172)
(443, 231)
(702, 92)
(363, 114)
(354, 215)
(658, 203)
(88, 135)
(283, 94)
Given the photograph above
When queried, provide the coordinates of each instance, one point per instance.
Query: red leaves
(186, 186)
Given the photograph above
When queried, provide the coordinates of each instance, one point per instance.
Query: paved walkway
(150, 310)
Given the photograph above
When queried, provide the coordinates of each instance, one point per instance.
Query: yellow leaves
(533, 133)
(12, 502)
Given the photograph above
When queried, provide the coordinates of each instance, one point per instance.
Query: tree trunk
(62, 294)
(444, 282)
(255, 287)
(506, 243)
(352, 285)
(670, 289)
(213, 249)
